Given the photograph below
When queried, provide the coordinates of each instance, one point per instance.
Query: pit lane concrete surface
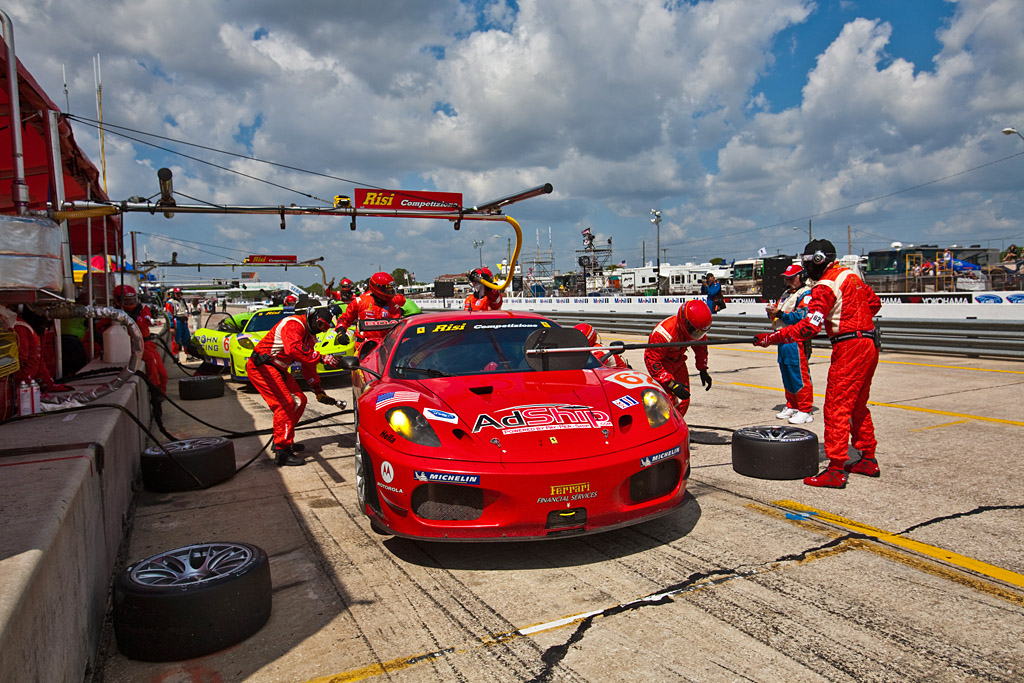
(917, 575)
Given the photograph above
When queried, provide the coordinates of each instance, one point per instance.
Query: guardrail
(969, 338)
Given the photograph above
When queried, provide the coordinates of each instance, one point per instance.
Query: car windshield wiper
(430, 372)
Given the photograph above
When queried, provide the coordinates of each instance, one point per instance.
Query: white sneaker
(801, 418)
(787, 412)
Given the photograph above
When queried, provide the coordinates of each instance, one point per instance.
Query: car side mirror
(349, 362)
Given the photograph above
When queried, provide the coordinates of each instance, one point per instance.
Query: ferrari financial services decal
(542, 418)
(447, 477)
(566, 493)
(625, 402)
(631, 379)
(389, 397)
(658, 457)
(440, 415)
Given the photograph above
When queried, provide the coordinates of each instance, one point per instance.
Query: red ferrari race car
(463, 435)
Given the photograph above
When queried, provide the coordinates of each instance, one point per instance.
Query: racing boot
(285, 457)
(296, 447)
(832, 478)
(867, 466)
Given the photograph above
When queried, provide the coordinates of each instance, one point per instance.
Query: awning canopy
(81, 179)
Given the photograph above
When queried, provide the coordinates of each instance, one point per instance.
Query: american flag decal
(389, 397)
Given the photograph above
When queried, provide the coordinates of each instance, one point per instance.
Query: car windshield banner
(408, 201)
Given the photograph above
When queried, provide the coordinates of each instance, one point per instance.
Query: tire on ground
(192, 464)
(200, 387)
(773, 452)
(191, 601)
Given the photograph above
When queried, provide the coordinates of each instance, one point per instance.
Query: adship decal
(542, 418)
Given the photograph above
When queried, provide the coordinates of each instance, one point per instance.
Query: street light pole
(1013, 131)
(657, 251)
(479, 246)
(810, 237)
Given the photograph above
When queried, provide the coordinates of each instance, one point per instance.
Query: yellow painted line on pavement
(963, 416)
(934, 552)
(944, 424)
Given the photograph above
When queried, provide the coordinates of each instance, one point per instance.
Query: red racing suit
(485, 303)
(844, 305)
(156, 371)
(667, 364)
(611, 360)
(374, 320)
(289, 341)
(30, 358)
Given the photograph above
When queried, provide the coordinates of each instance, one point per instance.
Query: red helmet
(125, 296)
(345, 285)
(793, 269)
(485, 274)
(290, 300)
(695, 317)
(382, 287)
(589, 332)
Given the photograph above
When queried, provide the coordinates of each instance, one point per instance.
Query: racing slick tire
(200, 387)
(193, 464)
(774, 452)
(191, 601)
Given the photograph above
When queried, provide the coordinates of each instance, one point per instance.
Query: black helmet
(319, 320)
(818, 255)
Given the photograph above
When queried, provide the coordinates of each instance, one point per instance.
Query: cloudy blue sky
(739, 120)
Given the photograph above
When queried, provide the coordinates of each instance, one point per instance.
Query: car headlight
(245, 342)
(410, 424)
(656, 406)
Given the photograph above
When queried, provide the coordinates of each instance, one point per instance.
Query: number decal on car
(631, 379)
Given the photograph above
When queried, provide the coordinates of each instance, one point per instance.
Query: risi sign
(271, 258)
(408, 201)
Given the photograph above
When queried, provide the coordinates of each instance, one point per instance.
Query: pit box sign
(270, 258)
(408, 200)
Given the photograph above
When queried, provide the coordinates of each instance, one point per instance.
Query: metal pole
(19, 188)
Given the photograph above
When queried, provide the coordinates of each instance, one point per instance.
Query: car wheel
(200, 387)
(191, 601)
(773, 452)
(192, 464)
(360, 475)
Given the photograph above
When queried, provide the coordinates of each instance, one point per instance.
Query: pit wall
(936, 306)
(65, 491)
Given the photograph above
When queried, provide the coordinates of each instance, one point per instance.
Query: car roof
(448, 316)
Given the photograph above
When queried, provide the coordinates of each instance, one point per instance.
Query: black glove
(330, 285)
(678, 389)
(341, 338)
(325, 399)
(705, 379)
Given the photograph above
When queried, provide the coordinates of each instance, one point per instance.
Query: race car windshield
(263, 321)
(466, 347)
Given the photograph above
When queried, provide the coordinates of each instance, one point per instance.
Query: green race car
(235, 338)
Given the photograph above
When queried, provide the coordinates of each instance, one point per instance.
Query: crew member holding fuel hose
(290, 340)
(844, 305)
(482, 298)
(377, 311)
(667, 365)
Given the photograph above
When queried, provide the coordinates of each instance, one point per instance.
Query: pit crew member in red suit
(30, 354)
(845, 306)
(483, 298)
(608, 359)
(290, 340)
(344, 293)
(373, 311)
(668, 365)
(127, 299)
(796, 374)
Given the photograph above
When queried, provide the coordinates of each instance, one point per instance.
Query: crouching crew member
(291, 340)
(845, 306)
(667, 365)
(482, 298)
(377, 311)
(607, 358)
(127, 299)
